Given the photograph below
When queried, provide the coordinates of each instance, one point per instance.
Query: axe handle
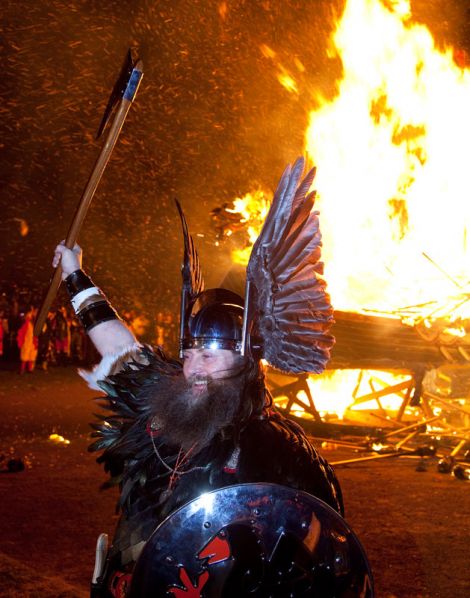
(82, 208)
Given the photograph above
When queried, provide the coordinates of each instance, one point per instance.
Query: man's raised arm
(106, 330)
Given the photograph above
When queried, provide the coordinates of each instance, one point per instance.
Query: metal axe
(122, 96)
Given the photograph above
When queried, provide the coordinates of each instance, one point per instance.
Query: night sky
(210, 122)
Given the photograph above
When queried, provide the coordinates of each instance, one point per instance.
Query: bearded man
(175, 430)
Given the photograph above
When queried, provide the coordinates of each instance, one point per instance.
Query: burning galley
(391, 148)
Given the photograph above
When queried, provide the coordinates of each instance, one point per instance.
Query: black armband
(96, 313)
(76, 282)
(89, 303)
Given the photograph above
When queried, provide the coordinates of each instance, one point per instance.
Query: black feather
(193, 282)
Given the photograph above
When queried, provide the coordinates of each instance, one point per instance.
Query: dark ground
(414, 526)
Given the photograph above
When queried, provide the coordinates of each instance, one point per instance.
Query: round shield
(262, 540)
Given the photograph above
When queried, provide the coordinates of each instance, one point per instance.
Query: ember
(58, 439)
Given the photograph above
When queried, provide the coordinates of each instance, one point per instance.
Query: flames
(331, 397)
(245, 214)
(391, 149)
(391, 152)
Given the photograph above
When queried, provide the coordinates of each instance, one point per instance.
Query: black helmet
(214, 320)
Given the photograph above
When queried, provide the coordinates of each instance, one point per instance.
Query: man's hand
(69, 259)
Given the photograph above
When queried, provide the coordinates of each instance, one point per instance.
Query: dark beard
(188, 421)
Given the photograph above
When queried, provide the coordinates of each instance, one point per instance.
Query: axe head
(125, 86)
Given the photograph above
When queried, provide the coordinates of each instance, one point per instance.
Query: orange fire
(331, 396)
(391, 150)
(253, 208)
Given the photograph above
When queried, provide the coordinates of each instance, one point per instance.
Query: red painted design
(218, 549)
(120, 584)
(189, 590)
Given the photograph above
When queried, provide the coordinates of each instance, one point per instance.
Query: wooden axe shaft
(82, 208)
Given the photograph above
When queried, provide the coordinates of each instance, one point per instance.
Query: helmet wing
(286, 299)
(193, 282)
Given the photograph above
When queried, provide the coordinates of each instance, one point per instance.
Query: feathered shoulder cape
(269, 449)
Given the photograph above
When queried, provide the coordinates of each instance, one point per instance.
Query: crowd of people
(62, 340)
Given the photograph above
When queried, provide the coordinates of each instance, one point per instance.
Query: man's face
(192, 407)
(201, 365)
